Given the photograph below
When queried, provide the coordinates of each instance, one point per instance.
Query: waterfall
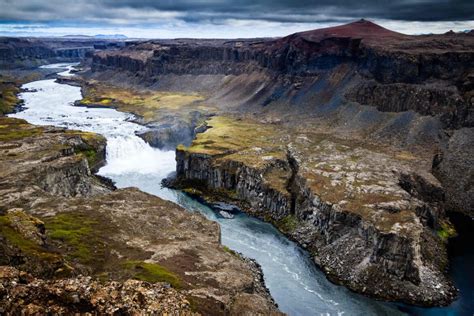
(127, 154)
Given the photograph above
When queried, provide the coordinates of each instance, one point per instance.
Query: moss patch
(8, 95)
(446, 231)
(90, 155)
(26, 246)
(287, 224)
(80, 233)
(242, 140)
(150, 105)
(228, 250)
(14, 129)
(152, 272)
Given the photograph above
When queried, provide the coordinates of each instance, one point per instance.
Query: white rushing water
(293, 280)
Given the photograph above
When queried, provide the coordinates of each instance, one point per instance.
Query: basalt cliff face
(351, 140)
(71, 243)
(31, 52)
(369, 217)
(430, 75)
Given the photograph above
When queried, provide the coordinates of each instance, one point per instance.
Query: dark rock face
(446, 102)
(454, 167)
(170, 131)
(31, 52)
(399, 72)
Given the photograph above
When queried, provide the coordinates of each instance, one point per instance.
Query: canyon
(63, 225)
(354, 141)
(348, 133)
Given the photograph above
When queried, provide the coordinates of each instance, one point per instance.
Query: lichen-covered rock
(21, 293)
(454, 167)
(56, 161)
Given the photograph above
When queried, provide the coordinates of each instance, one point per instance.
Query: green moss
(79, 232)
(13, 129)
(446, 231)
(86, 101)
(148, 104)
(227, 194)
(90, 155)
(105, 101)
(91, 101)
(8, 96)
(192, 191)
(152, 272)
(242, 140)
(287, 224)
(26, 246)
(228, 250)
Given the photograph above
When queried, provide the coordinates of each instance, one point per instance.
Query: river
(295, 283)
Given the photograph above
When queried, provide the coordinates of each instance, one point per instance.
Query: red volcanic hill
(360, 29)
(376, 36)
(341, 39)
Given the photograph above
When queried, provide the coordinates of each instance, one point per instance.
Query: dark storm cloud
(219, 11)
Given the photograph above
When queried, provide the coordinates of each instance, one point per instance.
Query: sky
(225, 18)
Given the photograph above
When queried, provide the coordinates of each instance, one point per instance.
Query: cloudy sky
(225, 18)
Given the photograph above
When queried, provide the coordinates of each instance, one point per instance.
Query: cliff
(31, 52)
(408, 66)
(357, 80)
(371, 218)
(69, 242)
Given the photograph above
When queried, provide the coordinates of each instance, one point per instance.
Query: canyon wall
(358, 79)
(32, 52)
(394, 74)
(375, 235)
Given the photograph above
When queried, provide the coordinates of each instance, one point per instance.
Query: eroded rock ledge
(70, 230)
(370, 217)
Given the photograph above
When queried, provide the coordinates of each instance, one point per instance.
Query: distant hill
(110, 36)
(99, 36)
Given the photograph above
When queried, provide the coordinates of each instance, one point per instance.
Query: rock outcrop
(31, 52)
(83, 242)
(453, 166)
(368, 217)
(21, 293)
